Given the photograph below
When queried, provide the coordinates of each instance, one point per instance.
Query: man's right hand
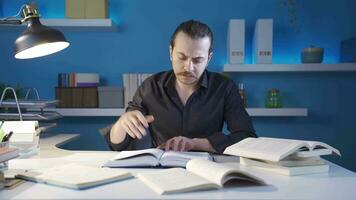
(134, 123)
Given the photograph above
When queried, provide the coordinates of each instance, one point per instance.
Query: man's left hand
(179, 143)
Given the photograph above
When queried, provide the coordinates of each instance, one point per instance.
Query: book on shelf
(78, 79)
(199, 175)
(131, 82)
(276, 149)
(74, 176)
(154, 157)
(292, 169)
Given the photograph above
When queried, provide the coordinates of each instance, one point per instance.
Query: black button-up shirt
(214, 102)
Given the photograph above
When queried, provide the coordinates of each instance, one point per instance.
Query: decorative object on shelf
(236, 41)
(273, 99)
(37, 40)
(312, 55)
(263, 42)
(111, 97)
(87, 9)
(242, 94)
(348, 50)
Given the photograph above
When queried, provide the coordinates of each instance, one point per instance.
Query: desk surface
(339, 183)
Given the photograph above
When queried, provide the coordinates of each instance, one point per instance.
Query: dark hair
(195, 30)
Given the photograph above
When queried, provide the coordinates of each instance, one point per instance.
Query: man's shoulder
(157, 79)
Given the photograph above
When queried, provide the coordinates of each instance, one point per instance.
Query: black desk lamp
(37, 40)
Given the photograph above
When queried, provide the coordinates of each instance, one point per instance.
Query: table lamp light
(37, 40)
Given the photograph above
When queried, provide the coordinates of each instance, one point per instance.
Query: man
(185, 109)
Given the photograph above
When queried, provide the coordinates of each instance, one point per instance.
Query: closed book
(283, 170)
(86, 84)
(87, 78)
(236, 41)
(75, 9)
(263, 42)
(96, 9)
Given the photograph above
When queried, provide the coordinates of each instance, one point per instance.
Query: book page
(273, 149)
(74, 175)
(175, 180)
(128, 154)
(219, 173)
(174, 158)
(319, 145)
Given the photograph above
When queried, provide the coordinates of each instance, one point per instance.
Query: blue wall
(140, 44)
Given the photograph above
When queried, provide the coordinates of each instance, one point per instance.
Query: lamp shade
(38, 40)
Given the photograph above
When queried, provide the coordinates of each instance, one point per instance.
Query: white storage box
(111, 97)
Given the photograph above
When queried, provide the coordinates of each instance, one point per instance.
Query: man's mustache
(186, 74)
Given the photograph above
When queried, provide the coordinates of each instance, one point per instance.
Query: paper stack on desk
(282, 156)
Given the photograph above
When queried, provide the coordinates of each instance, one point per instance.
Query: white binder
(263, 42)
(236, 41)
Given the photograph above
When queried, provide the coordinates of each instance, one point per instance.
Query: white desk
(338, 184)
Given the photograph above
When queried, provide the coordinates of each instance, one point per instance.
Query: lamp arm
(12, 21)
(28, 11)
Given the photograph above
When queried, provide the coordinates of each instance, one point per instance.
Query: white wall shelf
(86, 112)
(78, 22)
(114, 112)
(312, 67)
(70, 24)
(277, 112)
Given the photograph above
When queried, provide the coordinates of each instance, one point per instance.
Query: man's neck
(184, 91)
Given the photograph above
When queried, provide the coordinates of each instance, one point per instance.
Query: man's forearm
(203, 144)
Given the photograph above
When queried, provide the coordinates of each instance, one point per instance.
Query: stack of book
(282, 156)
(78, 80)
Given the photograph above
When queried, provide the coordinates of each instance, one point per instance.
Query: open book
(154, 157)
(200, 174)
(74, 176)
(276, 149)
